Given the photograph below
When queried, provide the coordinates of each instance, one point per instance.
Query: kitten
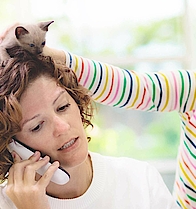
(29, 36)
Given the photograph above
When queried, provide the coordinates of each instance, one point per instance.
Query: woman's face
(52, 123)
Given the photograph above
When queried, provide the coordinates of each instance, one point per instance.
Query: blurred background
(137, 35)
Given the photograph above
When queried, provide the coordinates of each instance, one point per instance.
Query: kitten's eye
(38, 127)
(63, 108)
(43, 43)
(31, 45)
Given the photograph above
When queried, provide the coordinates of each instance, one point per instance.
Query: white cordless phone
(60, 176)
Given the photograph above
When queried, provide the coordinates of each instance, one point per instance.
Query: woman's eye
(37, 128)
(63, 108)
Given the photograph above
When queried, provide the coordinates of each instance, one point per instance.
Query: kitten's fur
(29, 36)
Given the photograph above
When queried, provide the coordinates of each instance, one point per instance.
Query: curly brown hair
(20, 71)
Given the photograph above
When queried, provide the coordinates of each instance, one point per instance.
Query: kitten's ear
(44, 25)
(20, 31)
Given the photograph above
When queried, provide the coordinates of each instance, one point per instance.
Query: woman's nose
(61, 126)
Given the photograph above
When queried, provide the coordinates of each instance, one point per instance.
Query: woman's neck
(81, 178)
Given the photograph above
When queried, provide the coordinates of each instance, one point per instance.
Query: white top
(117, 183)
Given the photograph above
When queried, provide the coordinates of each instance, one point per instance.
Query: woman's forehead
(42, 89)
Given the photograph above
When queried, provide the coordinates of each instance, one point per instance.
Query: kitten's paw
(3, 63)
(4, 59)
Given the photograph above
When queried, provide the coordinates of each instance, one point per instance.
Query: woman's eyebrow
(26, 121)
(62, 92)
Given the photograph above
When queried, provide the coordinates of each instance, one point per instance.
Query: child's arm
(159, 91)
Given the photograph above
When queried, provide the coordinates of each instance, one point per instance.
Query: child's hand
(57, 55)
(23, 189)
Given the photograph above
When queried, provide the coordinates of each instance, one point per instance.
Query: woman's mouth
(68, 144)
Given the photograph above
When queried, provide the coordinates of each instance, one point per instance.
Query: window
(141, 35)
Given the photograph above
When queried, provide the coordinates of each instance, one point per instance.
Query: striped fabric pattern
(160, 91)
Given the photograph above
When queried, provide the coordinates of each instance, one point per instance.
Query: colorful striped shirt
(162, 91)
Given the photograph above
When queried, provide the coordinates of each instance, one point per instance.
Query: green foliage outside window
(155, 136)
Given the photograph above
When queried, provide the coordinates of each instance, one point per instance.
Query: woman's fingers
(16, 157)
(30, 169)
(22, 188)
(24, 172)
(45, 179)
(16, 173)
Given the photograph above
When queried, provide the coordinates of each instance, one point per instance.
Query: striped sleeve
(113, 86)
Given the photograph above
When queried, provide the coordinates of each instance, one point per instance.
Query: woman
(171, 90)
(44, 107)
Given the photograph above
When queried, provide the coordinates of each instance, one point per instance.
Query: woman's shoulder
(130, 175)
(127, 166)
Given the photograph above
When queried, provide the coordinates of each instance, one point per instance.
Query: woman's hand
(23, 189)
